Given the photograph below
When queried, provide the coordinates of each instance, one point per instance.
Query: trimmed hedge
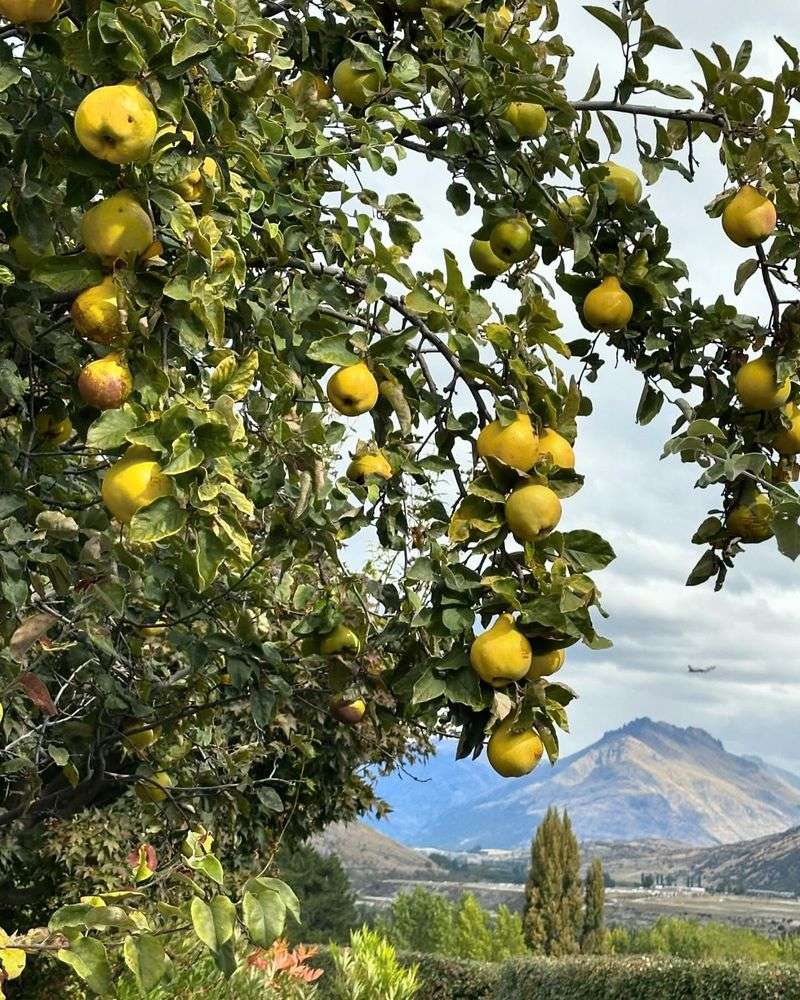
(454, 978)
(628, 977)
(645, 977)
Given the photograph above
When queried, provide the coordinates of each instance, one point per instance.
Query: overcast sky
(645, 507)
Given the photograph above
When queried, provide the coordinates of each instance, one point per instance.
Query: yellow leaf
(12, 961)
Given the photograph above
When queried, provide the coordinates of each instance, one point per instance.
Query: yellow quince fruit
(757, 385)
(52, 428)
(532, 511)
(190, 187)
(348, 712)
(516, 444)
(105, 383)
(117, 123)
(501, 654)
(627, 183)
(749, 217)
(134, 482)
(513, 754)
(341, 639)
(369, 464)
(29, 11)
(750, 519)
(353, 390)
(787, 440)
(117, 227)
(543, 664)
(608, 307)
(96, 314)
(557, 448)
(529, 119)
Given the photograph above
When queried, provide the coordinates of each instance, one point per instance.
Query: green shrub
(690, 939)
(438, 978)
(644, 977)
(370, 970)
(426, 922)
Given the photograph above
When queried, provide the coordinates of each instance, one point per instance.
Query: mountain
(368, 855)
(647, 779)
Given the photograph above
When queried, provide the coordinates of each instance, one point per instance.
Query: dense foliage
(182, 614)
(426, 922)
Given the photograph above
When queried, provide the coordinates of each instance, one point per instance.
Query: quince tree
(221, 370)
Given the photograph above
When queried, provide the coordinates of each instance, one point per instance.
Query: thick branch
(648, 111)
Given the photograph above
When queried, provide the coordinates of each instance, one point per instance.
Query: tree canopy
(221, 371)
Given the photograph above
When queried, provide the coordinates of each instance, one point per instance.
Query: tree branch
(400, 307)
(648, 111)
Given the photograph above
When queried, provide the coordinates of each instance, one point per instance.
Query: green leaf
(71, 273)
(419, 300)
(224, 914)
(88, 957)
(610, 20)
(111, 427)
(707, 565)
(264, 912)
(146, 959)
(203, 923)
(196, 39)
(210, 553)
(332, 350)
(586, 550)
(744, 272)
(658, 35)
(160, 519)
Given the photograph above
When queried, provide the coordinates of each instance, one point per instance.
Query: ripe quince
(749, 217)
(532, 511)
(96, 314)
(134, 482)
(608, 307)
(117, 227)
(106, 383)
(513, 754)
(353, 390)
(501, 654)
(516, 444)
(117, 123)
(757, 385)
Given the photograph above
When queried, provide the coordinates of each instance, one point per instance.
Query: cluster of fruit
(117, 124)
(503, 655)
(607, 307)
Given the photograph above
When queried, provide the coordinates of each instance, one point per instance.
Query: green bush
(690, 939)
(426, 922)
(438, 978)
(643, 977)
(454, 979)
(370, 970)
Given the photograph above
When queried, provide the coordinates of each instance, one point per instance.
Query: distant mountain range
(645, 780)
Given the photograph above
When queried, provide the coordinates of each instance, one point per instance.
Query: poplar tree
(594, 932)
(552, 919)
